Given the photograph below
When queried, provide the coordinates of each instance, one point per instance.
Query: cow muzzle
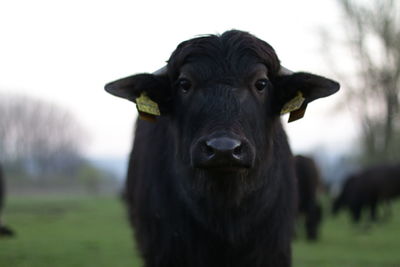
(222, 152)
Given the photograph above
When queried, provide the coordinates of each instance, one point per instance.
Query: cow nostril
(207, 150)
(237, 151)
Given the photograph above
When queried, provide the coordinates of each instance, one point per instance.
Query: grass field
(83, 231)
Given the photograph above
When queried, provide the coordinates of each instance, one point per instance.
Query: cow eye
(261, 84)
(184, 85)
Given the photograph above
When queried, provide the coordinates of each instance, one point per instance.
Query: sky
(64, 52)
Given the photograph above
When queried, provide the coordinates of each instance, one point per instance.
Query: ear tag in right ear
(147, 108)
(293, 104)
(297, 114)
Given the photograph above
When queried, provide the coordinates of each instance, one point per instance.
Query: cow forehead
(239, 62)
(222, 54)
(206, 71)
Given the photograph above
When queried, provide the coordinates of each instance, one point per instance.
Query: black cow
(308, 184)
(211, 180)
(366, 189)
(4, 230)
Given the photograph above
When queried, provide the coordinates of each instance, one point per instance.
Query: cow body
(1, 190)
(211, 182)
(212, 230)
(366, 189)
(4, 230)
(308, 180)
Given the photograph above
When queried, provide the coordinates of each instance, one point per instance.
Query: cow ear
(150, 92)
(295, 90)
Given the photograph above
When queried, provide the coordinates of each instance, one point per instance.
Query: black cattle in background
(4, 230)
(368, 188)
(308, 184)
(211, 178)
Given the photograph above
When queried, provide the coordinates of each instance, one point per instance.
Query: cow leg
(313, 219)
(6, 232)
(356, 214)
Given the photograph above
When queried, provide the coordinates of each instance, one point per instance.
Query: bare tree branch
(41, 136)
(373, 33)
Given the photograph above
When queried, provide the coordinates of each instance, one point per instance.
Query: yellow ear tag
(293, 104)
(146, 105)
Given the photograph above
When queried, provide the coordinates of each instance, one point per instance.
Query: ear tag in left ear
(294, 106)
(147, 108)
(297, 114)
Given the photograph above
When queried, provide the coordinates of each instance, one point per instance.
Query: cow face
(223, 96)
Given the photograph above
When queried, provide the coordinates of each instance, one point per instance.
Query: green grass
(67, 231)
(85, 231)
(346, 245)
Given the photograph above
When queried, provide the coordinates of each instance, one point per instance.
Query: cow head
(224, 95)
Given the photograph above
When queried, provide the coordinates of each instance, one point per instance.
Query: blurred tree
(91, 179)
(39, 137)
(96, 180)
(373, 36)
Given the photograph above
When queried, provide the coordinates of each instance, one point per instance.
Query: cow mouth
(225, 168)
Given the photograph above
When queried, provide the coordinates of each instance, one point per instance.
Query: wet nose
(223, 152)
(223, 148)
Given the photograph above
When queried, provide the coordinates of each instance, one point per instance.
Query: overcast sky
(65, 51)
